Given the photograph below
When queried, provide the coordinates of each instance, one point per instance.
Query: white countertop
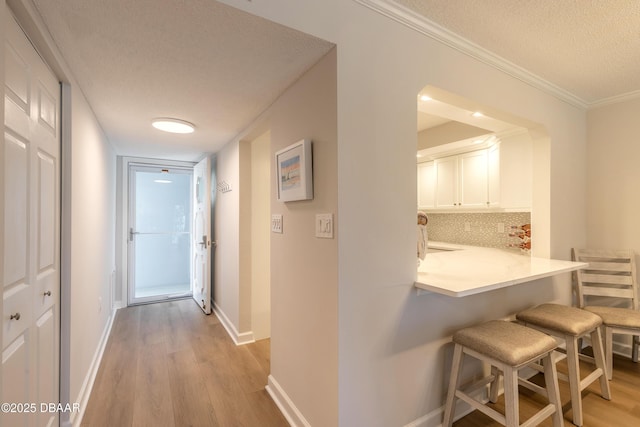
(458, 270)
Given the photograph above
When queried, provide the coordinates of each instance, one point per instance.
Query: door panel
(16, 218)
(15, 380)
(46, 365)
(202, 235)
(31, 280)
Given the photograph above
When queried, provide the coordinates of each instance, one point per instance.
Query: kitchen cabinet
(462, 181)
(426, 185)
(498, 177)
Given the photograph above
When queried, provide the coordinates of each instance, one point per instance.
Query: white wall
(393, 349)
(227, 234)
(93, 207)
(261, 182)
(304, 269)
(613, 176)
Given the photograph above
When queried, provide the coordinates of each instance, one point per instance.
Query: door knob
(47, 294)
(15, 316)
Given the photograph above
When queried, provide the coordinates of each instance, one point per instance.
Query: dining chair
(608, 288)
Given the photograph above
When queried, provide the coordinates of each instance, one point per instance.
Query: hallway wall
(93, 208)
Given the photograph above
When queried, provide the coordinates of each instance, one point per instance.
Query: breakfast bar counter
(459, 270)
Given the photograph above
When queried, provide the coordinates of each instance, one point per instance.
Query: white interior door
(31, 278)
(202, 235)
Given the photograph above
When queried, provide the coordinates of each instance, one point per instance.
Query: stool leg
(456, 366)
(493, 388)
(607, 342)
(598, 354)
(574, 378)
(511, 406)
(553, 390)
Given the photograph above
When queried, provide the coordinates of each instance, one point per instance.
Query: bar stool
(571, 324)
(507, 347)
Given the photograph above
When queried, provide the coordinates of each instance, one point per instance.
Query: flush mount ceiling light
(425, 98)
(173, 125)
(477, 114)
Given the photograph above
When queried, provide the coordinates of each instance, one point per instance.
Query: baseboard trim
(434, 418)
(87, 385)
(293, 416)
(238, 338)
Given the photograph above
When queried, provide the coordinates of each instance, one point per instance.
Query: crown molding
(431, 29)
(615, 99)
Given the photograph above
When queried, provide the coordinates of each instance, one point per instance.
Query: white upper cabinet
(498, 177)
(426, 185)
(446, 182)
(461, 181)
(473, 173)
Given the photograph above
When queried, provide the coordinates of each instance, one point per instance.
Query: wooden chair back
(611, 274)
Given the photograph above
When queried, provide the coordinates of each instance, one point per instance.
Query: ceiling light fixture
(425, 98)
(173, 125)
(477, 114)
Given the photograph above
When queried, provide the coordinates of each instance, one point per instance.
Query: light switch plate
(324, 226)
(276, 223)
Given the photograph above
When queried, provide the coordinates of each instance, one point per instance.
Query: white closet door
(31, 280)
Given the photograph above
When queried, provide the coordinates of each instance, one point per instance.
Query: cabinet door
(473, 179)
(426, 185)
(446, 182)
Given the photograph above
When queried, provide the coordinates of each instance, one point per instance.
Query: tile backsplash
(477, 229)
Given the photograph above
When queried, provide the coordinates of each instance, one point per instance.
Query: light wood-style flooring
(623, 410)
(168, 364)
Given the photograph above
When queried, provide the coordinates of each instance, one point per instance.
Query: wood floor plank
(248, 371)
(178, 336)
(113, 396)
(153, 405)
(191, 404)
(261, 351)
(227, 397)
(168, 364)
(266, 410)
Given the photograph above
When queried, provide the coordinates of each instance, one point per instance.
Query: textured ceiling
(197, 60)
(590, 48)
(219, 68)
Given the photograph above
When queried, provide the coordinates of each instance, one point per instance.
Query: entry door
(159, 232)
(202, 243)
(31, 277)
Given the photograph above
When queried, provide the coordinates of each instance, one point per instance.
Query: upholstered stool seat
(571, 324)
(507, 347)
(619, 320)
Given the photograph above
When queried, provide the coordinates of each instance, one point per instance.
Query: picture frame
(294, 172)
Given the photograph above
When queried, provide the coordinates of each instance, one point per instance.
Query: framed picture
(294, 172)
